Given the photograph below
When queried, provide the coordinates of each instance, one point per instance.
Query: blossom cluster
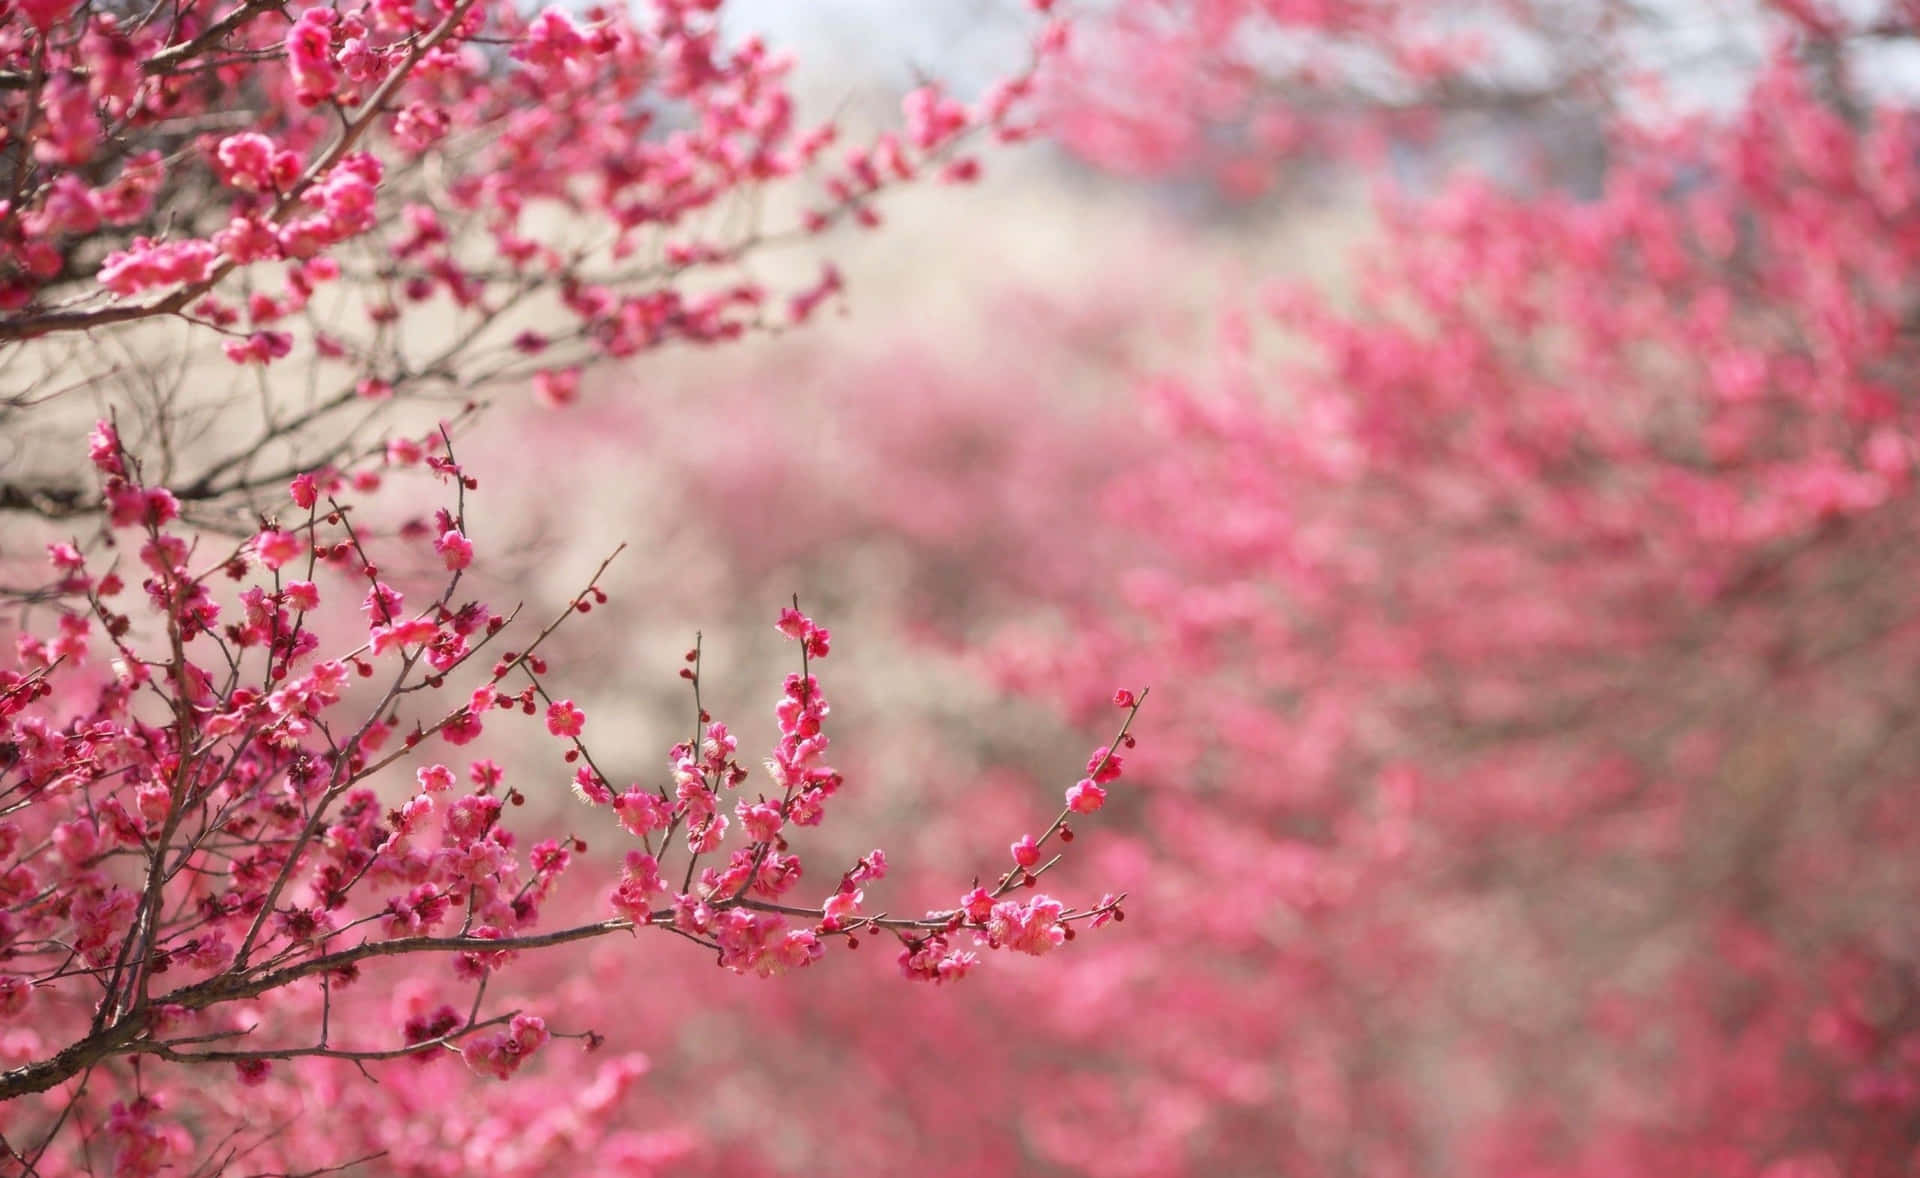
(391, 124)
(738, 907)
(246, 810)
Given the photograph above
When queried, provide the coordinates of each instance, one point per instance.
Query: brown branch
(122, 1036)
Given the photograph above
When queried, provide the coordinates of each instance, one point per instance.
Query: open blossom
(412, 632)
(977, 904)
(103, 449)
(640, 883)
(1104, 765)
(564, 719)
(470, 817)
(1033, 927)
(642, 812)
(842, 907)
(455, 549)
(933, 959)
(250, 161)
(383, 603)
(1084, 797)
(276, 548)
(129, 506)
(762, 821)
(302, 595)
(872, 866)
(347, 194)
(798, 626)
(589, 788)
(762, 943)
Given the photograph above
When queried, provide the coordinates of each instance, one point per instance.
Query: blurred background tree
(1524, 566)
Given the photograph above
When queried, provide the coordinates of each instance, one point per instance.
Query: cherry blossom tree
(248, 909)
(403, 200)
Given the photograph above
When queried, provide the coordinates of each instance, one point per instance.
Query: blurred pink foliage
(1534, 784)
